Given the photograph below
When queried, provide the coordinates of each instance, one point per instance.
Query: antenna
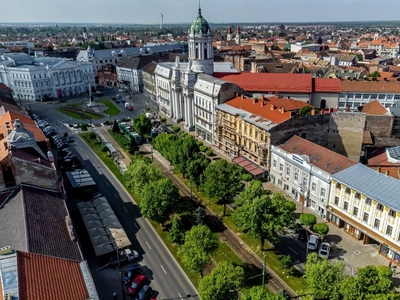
(162, 20)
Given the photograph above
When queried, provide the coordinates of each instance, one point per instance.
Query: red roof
(330, 85)
(4, 87)
(46, 277)
(270, 82)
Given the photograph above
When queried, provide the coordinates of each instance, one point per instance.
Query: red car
(137, 284)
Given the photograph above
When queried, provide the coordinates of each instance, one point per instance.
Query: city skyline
(174, 11)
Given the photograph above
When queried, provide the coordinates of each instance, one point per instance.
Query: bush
(321, 228)
(163, 120)
(182, 134)
(107, 123)
(286, 262)
(209, 152)
(84, 127)
(247, 177)
(104, 149)
(92, 135)
(199, 143)
(175, 129)
(203, 148)
(308, 219)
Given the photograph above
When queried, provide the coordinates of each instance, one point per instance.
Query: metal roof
(376, 186)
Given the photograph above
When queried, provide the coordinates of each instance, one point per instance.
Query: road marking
(116, 196)
(136, 225)
(87, 156)
(125, 210)
(148, 245)
(163, 269)
(293, 250)
(180, 296)
(81, 148)
(107, 183)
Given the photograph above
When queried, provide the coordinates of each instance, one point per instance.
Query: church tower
(237, 36)
(229, 33)
(201, 54)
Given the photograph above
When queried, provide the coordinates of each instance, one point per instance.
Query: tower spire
(199, 9)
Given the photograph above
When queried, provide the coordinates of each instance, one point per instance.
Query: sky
(184, 11)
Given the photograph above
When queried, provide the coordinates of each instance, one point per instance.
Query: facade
(149, 81)
(43, 78)
(325, 93)
(100, 58)
(108, 76)
(303, 169)
(129, 70)
(357, 93)
(365, 204)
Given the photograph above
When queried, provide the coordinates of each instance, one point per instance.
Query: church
(187, 91)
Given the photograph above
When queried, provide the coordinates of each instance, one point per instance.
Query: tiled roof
(374, 108)
(33, 220)
(330, 85)
(321, 157)
(29, 124)
(268, 109)
(376, 186)
(45, 277)
(370, 86)
(4, 87)
(270, 82)
(30, 154)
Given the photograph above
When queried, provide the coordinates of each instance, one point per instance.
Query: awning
(104, 229)
(250, 166)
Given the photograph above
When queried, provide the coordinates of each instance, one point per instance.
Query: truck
(123, 256)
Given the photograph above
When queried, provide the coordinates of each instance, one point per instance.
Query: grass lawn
(76, 115)
(74, 105)
(112, 110)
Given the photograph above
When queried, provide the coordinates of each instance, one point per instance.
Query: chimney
(282, 109)
(237, 95)
(272, 107)
(242, 97)
(387, 173)
(379, 169)
(313, 112)
(288, 97)
(262, 97)
(255, 100)
(331, 110)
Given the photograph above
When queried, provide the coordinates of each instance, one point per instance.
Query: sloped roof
(374, 107)
(376, 186)
(270, 82)
(46, 277)
(34, 220)
(134, 63)
(323, 158)
(4, 87)
(329, 85)
(150, 68)
(370, 86)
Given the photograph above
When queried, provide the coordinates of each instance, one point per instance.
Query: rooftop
(370, 86)
(374, 108)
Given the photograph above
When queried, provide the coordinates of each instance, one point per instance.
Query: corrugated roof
(45, 277)
(270, 82)
(321, 157)
(376, 186)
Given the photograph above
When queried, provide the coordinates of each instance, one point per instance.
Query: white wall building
(40, 78)
(129, 71)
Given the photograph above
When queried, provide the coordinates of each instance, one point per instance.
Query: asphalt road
(159, 265)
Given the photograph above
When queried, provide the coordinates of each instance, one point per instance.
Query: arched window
(205, 53)
(323, 104)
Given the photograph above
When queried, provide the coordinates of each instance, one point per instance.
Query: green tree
(202, 237)
(158, 200)
(321, 228)
(115, 127)
(195, 169)
(265, 217)
(222, 180)
(177, 232)
(253, 190)
(374, 74)
(308, 219)
(133, 146)
(142, 125)
(258, 293)
(323, 278)
(222, 283)
(306, 110)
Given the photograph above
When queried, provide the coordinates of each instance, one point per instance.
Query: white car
(324, 250)
(312, 242)
(118, 96)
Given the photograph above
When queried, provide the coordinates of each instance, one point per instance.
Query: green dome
(200, 25)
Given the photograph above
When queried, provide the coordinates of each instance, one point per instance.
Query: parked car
(312, 242)
(124, 256)
(131, 274)
(144, 293)
(98, 93)
(303, 234)
(112, 97)
(324, 250)
(137, 284)
(117, 96)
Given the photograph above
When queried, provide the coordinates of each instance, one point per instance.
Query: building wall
(379, 125)
(149, 85)
(345, 135)
(331, 100)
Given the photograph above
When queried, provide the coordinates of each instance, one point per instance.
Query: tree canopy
(222, 180)
(142, 125)
(258, 293)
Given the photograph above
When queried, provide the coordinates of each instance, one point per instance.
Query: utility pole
(162, 20)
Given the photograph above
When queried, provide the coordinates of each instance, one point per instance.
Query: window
(382, 96)
(274, 164)
(347, 191)
(313, 187)
(379, 207)
(392, 213)
(338, 185)
(368, 201)
(296, 176)
(357, 196)
(251, 131)
(322, 192)
(377, 223)
(389, 230)
(304, 180)
(346, 205)
(374, 96)
(281, 167)
(287, 171)
(365, 217)
(355, 211)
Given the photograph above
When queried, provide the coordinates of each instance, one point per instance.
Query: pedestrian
(390, 264)
(394, 269)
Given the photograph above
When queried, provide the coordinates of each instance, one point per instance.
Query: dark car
(302, 234)
(131, 274)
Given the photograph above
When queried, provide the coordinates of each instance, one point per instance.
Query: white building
(129, 71)
(40, 78)
(177, 92)
(100, 58)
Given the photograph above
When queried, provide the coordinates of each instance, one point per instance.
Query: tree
(308, 219)
(265, 217)
(195, 259)
(321, 228)
(133, 146)
(306, 110)
(253, 190)
(195, 169)
(222, 283)
(258, 293)
(374, 74)
(323, 278)
(142, 125)
(222, 180)
(177, 232)
(115, 127)
(199, 215)
(158, 200)
(202, 237)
